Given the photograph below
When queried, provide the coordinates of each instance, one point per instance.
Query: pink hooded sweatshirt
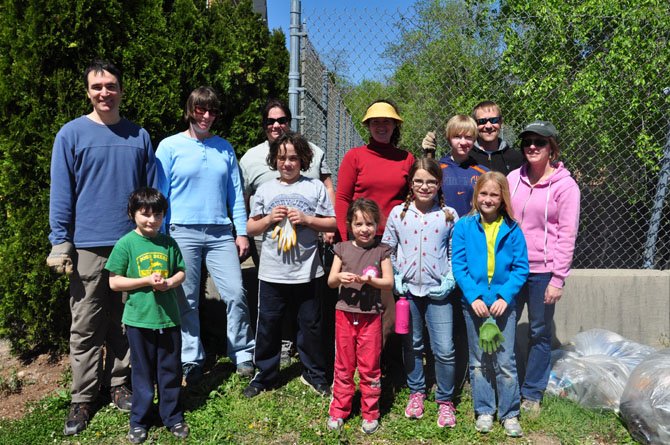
(548, 214)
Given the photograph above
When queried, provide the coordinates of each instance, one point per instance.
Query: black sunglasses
(539, 143)
(484, 120)
(202, 110)
(280, 120)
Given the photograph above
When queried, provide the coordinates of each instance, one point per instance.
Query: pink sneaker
(414, 408)
(446, 414)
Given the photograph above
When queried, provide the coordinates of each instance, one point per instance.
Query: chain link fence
(326, 117)
(601, 79)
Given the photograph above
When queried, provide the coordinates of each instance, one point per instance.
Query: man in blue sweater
(97, 161)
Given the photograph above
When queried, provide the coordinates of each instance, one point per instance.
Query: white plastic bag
(645, 402)
(594, 381)
(594, 367)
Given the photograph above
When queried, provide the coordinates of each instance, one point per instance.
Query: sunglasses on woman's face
(280, 120)
(539, 143)
(200, 111)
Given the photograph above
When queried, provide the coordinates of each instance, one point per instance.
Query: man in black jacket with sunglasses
(490, 149)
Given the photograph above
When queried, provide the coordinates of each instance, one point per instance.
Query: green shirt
(135, 256)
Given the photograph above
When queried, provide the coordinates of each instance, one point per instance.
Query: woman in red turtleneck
(376, 171)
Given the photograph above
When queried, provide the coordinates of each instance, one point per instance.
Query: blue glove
(400, 287)
(446, 286)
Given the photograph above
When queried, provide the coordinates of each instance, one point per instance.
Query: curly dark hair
(300, 144)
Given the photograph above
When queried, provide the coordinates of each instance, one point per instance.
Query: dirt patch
(541, 439)
(24, 382)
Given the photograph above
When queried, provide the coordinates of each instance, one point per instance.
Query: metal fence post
(294, 63)
(659, 199)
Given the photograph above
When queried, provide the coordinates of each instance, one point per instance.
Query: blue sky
(350, 36)
(279, 10)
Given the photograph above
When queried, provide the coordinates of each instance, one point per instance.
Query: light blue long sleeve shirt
(201, 180)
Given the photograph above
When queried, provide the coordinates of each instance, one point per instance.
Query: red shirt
(374, 171)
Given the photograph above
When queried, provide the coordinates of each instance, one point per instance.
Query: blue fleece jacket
(201, 180)
(469, 261)
(458, 183)
(94, 168)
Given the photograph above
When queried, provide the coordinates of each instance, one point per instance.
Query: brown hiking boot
(78, 418)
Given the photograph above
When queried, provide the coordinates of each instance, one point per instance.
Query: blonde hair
(433, 168)
(461, 124)
(499, 179)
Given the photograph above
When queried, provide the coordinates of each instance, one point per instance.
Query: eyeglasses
(539, 143)
(280, 120)
(418, 183)
(493, 120)
(202, 110)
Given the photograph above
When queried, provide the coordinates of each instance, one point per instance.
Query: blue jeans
(438, 317)
(540, 318)
(216, 245)
(493, 373)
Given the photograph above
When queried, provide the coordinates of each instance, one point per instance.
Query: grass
(218, 414)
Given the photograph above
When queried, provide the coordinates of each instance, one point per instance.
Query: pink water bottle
(402, 316)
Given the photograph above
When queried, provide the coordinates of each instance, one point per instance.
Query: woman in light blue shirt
(199, 175)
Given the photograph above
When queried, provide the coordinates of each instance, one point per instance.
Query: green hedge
(165, 49)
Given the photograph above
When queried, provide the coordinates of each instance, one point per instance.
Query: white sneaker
(369, 426)
(484, 423)
(334, 423)
(512, 427)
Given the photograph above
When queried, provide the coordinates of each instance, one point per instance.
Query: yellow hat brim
(381, 110)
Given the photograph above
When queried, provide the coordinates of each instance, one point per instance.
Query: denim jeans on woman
(216, 246)
(492, 374)
(540, 318)
(437, 317)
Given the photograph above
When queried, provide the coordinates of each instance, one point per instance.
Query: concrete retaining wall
(632, 303)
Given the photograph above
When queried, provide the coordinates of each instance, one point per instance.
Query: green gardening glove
(490, 337)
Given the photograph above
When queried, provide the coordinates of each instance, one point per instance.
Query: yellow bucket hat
(381, 109)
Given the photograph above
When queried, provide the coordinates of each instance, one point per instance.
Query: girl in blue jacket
(490, 264)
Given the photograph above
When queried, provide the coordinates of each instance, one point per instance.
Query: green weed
(11, 384)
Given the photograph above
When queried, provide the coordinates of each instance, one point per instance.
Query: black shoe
(251, 391)
(78, 418)
(180, 430)
(137, 434)
(192, 373)
(321, 389)
(122, 398)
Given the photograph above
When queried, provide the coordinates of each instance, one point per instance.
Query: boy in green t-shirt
(149, 266)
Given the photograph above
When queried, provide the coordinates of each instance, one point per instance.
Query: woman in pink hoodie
(545, 199)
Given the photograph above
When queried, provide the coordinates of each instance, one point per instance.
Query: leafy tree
(165, 49)
(447, 60)
(597, 69)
